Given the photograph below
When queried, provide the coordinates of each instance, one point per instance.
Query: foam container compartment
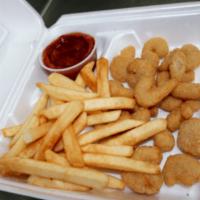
(113, 30)
(3, 36)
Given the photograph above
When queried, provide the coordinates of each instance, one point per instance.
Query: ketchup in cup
(69, 53)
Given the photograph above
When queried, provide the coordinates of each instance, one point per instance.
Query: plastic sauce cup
(68, 54)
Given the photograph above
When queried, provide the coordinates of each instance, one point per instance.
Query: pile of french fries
(73, 131)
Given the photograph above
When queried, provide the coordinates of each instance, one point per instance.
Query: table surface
(51, 10)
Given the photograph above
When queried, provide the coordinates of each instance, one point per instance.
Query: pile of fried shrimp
(81, 130)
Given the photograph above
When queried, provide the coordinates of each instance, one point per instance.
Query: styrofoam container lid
(20, 29)
(113, 30)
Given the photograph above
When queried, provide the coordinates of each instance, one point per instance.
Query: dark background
(51, 10)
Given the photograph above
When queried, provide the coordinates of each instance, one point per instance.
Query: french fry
(70, 113)
(138, 134)
(109, 103)
(62, 81)
(55, 184)
(103, 117)
(34, 134)
(61, 160)
(11, 131)
(120, 163)
(88, 76)
(79, 80)
(93, 105)
(55, 158)
(54, 111)
(64, 94)
(108, 130)
(31, 149)
(41, 104)
(103, 88)
(110, 150)
(72, 148)
(32, 120)
(80, 123)
(19, 144)
(54, 102)
(84, 177)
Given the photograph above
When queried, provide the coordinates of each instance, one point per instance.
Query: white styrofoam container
(113, 30)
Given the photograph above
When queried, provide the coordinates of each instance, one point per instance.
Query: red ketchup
(68, 50)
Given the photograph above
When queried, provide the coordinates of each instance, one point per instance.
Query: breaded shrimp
(157, 45)
(147, 95)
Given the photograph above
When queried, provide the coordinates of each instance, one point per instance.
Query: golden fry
(84, 177)
(103, 117)
(62, 81)
(64, 94)
(80, 123)
(56, 184)
(108, 130)
(34, 134)
(79, 81)
(11, 131)
(110, 150)
(19, 145)
(109, 103)
(72, 148)
(120, 163)
(52, 157)
(54, 111)
(31, 149)
(88, 76)
(70, 113)
(102, 78)
(55, 158)
(139, 134)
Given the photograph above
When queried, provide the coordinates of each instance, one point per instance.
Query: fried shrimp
(119, 64)
(188, 76)
(151, 58)
(137, 69)
(140, 182)
(164, 140)
(157, 45)
(192, 54)
(167, 61)
(117, 89)
(174, 120)
(177, 66)
(141, 67)
(188, 108)
(162, 78)
(170, 103)
(131, 79)
(148, 153)
(181, 169)
(147, 95)
(164, 66)
(189, 137)
(142, 114)
(128, 52)
(187, 91)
